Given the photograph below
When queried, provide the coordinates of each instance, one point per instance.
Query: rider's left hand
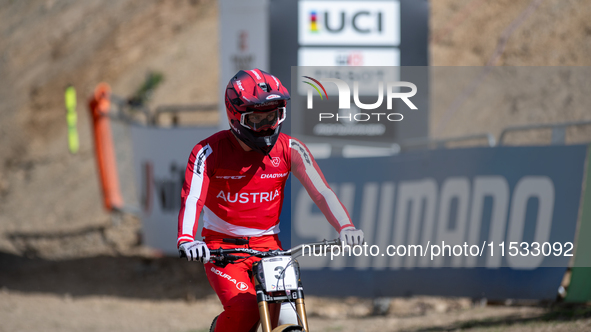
(351, 236)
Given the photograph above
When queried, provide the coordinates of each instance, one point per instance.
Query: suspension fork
(300, 306)
(268, 312)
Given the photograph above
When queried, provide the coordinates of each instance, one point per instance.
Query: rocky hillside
(47, 45)
(546, 41)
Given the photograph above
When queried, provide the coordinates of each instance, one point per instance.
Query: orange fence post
(100, 105)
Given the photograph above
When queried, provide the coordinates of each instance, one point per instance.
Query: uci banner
(479, 222)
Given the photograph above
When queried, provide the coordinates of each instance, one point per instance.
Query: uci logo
(349, 22)
(362, 21)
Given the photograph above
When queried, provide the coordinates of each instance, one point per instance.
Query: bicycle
(276, 278)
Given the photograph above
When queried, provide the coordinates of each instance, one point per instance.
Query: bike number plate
(279, 274)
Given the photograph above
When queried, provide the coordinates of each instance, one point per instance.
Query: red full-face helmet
(255, 105)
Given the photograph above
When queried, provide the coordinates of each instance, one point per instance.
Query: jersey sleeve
(194, 191)
(307, 171)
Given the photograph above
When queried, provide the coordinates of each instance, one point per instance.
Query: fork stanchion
(264, 314)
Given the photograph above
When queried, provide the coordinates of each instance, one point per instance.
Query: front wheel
(288, 328)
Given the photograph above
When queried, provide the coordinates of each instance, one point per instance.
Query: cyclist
(237, 177)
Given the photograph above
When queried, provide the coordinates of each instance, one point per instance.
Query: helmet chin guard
(263, 144)
(252, 94)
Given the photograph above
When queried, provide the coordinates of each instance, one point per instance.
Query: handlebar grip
(182, 254)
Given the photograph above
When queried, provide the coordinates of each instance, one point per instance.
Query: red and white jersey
(241, 192)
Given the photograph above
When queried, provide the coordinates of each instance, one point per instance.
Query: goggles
(258, 121)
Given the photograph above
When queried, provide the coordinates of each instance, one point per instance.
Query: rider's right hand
(195, 251)
(351, 236)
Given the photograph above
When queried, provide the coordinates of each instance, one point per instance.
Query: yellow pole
(72, 119)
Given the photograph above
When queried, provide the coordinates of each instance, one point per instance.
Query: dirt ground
(66, 265)
(64, 313)
(141, 292)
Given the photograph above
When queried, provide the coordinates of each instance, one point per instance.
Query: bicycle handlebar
(222, 255)
(271, 253)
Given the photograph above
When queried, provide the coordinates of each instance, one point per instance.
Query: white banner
(244, 42)
(349, 23)
(339, 56)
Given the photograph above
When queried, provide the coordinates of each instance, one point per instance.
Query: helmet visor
(259, 121)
